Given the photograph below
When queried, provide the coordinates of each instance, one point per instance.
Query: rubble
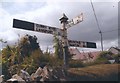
(38, 72)
(42, 74)
(1, 78)
(111, 61)
(16, 78)
(25, 75)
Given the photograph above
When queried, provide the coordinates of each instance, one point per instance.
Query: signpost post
(60, 32)
(64, 39)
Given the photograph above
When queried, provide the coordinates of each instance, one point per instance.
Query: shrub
(117, 58)
(101, 60)
(76, 63)
(106, 54)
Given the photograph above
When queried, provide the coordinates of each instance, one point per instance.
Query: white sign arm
(75, 20)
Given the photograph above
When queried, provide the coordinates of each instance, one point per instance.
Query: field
(102, 72)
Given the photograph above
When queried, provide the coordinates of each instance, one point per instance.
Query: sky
(48, 12)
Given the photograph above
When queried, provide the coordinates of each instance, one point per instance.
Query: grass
(102, 72)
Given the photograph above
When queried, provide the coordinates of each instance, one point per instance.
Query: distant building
(83, 56)
(76, 53)
(114, 50)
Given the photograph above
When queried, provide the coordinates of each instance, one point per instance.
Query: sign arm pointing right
(75, 21)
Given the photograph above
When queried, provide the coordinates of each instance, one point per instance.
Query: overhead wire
(97, 25)
(110, 31)
(98, 22)
(95, 15)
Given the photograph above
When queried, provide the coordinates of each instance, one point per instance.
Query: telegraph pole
(64, 22)
(101, 40)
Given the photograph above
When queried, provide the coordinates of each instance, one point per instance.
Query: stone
(45, 72)
(1, 78)
(32, 76)
(37, 76)
(12, 80)
(111, 61)
(16, 78)
(25, 75)
(38, 72)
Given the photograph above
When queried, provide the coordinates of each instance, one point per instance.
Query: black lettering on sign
(81, 44)
(40, 26)
(44, 31)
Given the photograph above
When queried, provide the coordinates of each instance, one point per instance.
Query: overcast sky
(48, 12)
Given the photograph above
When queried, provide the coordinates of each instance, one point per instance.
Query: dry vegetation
(102, 72)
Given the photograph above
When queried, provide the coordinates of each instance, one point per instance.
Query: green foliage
(104, 54)
(5, 70)
(27, 45)
(51, 60)
(117, 57)
(103, 57)
(32, 62)
(102, 60)
(59, 51)
(76, 64)
(26, 55)
(58, 47)
(10, 59)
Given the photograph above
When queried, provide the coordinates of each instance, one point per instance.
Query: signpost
(64, 39)
(60, 32)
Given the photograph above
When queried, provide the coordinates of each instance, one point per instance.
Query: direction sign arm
(75, 43)
(75, 20)
(19, 24)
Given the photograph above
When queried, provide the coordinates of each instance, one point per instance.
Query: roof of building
(116, 48)
(83, 55)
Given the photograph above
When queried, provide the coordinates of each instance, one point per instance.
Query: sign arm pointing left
(23, 25)
(35, 27)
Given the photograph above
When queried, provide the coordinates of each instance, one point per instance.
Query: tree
(28, 44)
(58, 47)
(7, 57)
(24, 55)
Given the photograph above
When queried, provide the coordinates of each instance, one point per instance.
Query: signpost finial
(64, 18)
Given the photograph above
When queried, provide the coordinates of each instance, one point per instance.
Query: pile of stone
(42, 74)
(16, 78)
(48, 74)
(1, 78)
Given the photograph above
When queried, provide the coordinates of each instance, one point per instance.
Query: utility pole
(101, 40)
(64, 22)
